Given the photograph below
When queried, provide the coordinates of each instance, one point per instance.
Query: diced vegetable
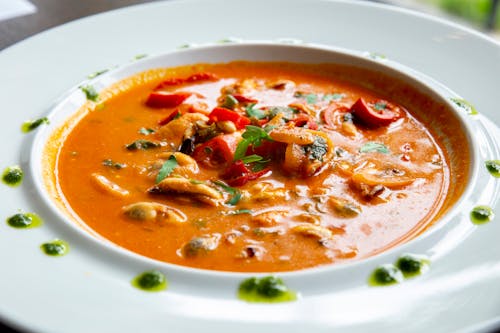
(203, 76)
(379, 114)
(161, 99)
(217, 151)
(238, 174)
(223, 114)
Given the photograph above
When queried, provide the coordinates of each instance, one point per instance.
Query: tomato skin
(161, 99)
(244, 99)
(217, 151)
(371, 117)
(223, 114)
(203, 76)
(237, 174)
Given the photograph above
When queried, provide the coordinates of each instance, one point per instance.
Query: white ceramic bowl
(434, 242)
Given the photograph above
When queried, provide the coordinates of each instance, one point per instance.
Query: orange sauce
(285, 220)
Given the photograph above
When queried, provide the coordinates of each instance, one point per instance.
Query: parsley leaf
(167, 168)
(141, 145)
(235, 193)
(253, 135)
(333, 97)
(146, 131)
(371, 147)
(317, 149)
(255, 112)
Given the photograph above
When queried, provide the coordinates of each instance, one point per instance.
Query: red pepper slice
(238, 174)
(203, 76)
(303, 120)
(330, 115)
(217, 151)
(223, 114)
(173, 115)
(161, 99)
(373, 117)
(244, 99)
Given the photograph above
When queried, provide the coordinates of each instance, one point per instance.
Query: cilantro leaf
(254, 112)
(235, 193)
(167, 168)
(371, 147)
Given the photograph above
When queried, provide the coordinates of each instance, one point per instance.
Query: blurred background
(20, 19)
(479, 14)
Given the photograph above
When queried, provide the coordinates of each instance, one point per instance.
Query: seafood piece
(107, 186)
(147, 211)
(197, 190)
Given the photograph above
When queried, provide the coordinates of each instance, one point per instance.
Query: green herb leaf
(371, 147)
(239, 212)
(146, 131)
(252, 159)
(235, 193)
(90, 93)
(253, 135)
(310, 98)
(141, 145)
(333, 97)
(167, 168)
(110, 163)
(317, 149)
(288, 112)
(380, 106)
(253, 112)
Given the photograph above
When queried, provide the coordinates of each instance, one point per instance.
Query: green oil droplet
(493, 166)
(24, 221)
(31, 125)
(13, 176)
(386, 275)
(481, 214)
(412, 265)
(269, 289)
(150, 281)
(55, 248)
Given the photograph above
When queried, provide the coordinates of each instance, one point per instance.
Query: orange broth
(364, 189)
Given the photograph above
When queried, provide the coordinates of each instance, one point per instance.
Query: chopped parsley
(371, 147)
(254, 112)
(146, 131)
(254, 136)
(317, 150)
(112, 164)
(233, 192)
(167, 168)
(142, 145)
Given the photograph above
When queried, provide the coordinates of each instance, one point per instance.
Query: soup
(259, 166)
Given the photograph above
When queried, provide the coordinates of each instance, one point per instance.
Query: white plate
(89, 289)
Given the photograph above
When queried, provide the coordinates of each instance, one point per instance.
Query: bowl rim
(74, 96)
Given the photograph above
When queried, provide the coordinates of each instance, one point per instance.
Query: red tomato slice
(373, 117)
(162, 99)
(217, 151)
(203, 76)
(223, 114)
